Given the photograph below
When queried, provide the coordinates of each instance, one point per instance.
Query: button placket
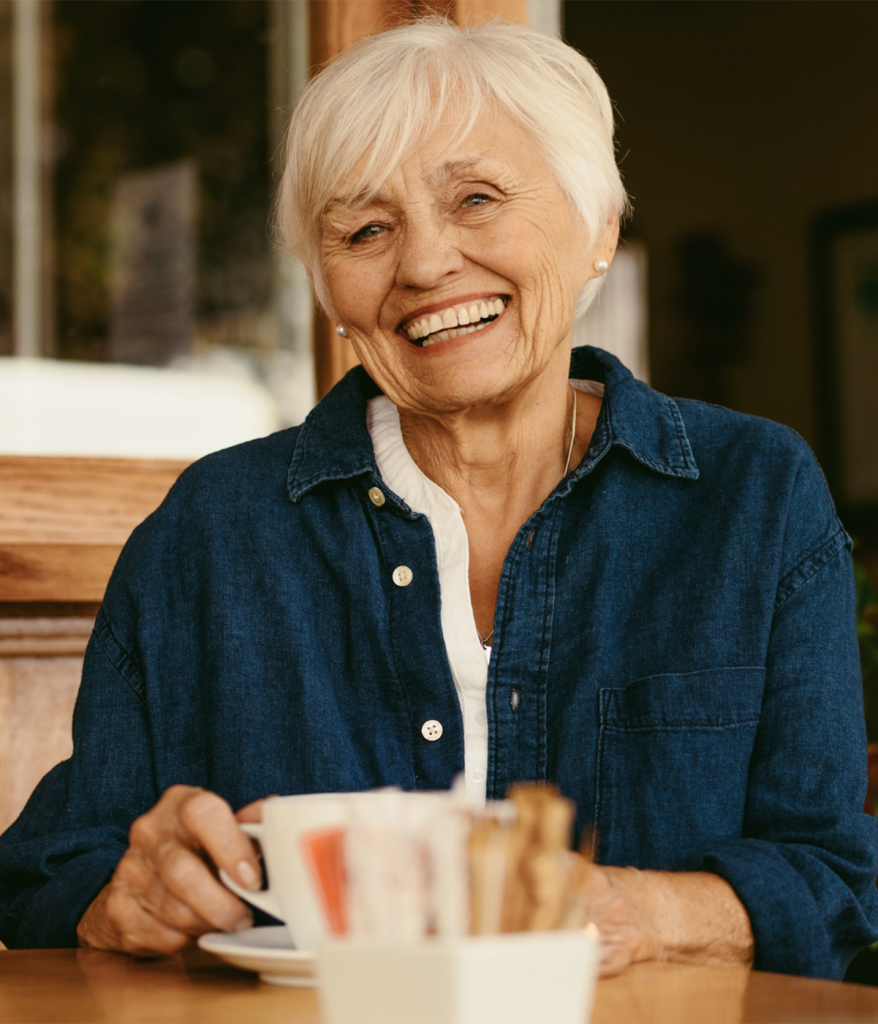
(426, 680)
(517, 698)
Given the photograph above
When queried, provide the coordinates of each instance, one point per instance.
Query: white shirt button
(376, 496)
(402, 575)
(476, 775)
(431, 730)
(481, 717)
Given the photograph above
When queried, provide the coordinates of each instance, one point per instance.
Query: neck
(504, 460)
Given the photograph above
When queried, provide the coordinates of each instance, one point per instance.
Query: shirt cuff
(788, 927)
(51, 920)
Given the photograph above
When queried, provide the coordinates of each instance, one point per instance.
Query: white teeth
(445, 335)
(443, 325)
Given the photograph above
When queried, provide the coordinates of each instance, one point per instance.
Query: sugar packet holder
(521, 978)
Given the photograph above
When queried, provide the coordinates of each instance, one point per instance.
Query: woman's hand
(164, 891)
(692, 917)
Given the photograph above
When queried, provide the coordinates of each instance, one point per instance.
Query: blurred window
(157, 125)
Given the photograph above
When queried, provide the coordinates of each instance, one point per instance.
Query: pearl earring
(341, 332)
(601, 266)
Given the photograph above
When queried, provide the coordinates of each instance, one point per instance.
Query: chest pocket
(673, 760)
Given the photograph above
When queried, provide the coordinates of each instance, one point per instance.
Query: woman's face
(458, 283)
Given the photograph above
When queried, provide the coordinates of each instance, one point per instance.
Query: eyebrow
(442, 172)
(361, 198)
(451, 168)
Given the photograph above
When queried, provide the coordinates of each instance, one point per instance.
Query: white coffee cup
(292, 895)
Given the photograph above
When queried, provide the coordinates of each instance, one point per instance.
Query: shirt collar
(633, 416)
(334, 442)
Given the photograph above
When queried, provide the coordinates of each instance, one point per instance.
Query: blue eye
(369, 231)
(476, 199)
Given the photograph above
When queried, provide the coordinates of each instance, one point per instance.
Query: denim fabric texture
(674, 647)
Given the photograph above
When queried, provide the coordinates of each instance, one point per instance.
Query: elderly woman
(477, 555)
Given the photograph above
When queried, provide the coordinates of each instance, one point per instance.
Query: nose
(428, 255)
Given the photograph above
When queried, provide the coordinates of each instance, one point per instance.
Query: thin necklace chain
(486, 640)
(572, 435)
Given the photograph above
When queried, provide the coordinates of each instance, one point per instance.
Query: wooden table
(77, 985)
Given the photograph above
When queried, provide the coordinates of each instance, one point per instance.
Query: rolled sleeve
(53, 913)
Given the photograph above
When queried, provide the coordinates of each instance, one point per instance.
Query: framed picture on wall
(845, 266)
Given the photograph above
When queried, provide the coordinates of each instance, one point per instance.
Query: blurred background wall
(739, 123)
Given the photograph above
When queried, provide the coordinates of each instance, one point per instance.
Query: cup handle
(264, 898)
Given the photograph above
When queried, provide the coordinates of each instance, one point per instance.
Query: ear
(606, 247)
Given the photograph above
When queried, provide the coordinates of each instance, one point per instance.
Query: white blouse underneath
(466, 656)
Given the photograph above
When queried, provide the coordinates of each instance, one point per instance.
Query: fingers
(114, 921)
(209, 821)
(165, 887)
(186, 881)
(252, 812)
(175, 886)
(188, 830)
(165, 890)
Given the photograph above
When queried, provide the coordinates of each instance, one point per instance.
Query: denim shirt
(674, 647)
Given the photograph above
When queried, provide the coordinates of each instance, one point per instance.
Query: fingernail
(247, 876)
(244, 925)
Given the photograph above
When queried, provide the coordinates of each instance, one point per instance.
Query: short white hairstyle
(382, 98)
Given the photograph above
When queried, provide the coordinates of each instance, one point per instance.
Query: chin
(457, 397)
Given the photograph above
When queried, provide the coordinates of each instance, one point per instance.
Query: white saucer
(268, 951)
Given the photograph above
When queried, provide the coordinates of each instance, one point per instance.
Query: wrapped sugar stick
(536, 891)
(387, 858)
(525, 798)
(448, 837)
(546, 874)
(488, 854)
(554, 821)
(548, 866)
(516, 899)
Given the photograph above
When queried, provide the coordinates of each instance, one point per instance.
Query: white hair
(382, 98)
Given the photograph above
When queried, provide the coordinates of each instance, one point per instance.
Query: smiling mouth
(444, 324)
